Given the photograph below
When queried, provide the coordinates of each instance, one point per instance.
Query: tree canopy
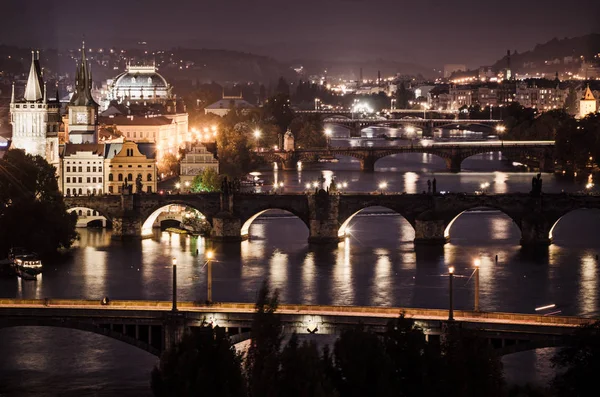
(32, 210)
(206, 181)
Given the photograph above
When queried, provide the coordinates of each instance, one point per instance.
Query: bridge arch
(568, 214)
(451, 219)
(248, 220)
(86, 215)
(98, 329)
(344, 228)
(153, 215)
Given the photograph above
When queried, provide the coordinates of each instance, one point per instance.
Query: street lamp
(257, 137)
(477, 263)
(382, 186)
(187, 185)
(178, 186)
(317, 100)
(451, 301)
(209, 256)
(500, 128)
(174, 263)
(393, 104)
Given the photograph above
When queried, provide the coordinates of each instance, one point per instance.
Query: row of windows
(129, 177)
(89, 169)
(80, 179)
(80, 192)
(130, 166)
(143, 134)
(75, 162)
(120, 189)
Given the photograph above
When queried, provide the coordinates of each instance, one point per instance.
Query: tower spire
(33, 89)
(12, 96)
(83, 84)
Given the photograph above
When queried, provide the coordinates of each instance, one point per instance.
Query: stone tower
(34, 118)
(288, 141)
(587, 104)
(83, 110)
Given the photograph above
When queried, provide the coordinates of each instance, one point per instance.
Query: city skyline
(342, 30)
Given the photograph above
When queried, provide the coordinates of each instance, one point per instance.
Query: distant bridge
(153, 327)
(540, 152)
(327, 216)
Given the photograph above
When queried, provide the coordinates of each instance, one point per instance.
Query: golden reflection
(407, 231)
(94, 271)
(342, 276)
(308, 279)
(278, 272)
(381, 289)
(410, 182)
(588, 286)
(328, 177)
(500, 227)
(500, 179)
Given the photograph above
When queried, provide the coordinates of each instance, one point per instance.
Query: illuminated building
(588, 103)
(195, 161)
(35, 119)
(83, 169)
(139, 84)
(126, 162)
(226, 103)
(82, 122)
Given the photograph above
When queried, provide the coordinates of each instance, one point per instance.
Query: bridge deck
(309, 310)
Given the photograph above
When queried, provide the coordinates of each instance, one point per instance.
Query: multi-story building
(83, 110)
(35, 119)
(138, 84)
(195, 161)
(588, 103)
(542, 98)
(460, 96)
(127, 163)
(83, 169)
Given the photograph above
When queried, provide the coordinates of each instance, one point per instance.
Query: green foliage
(32, 211)
(207, 181)
(309, 132)
(234, 151)
(403, 96)
(578, 363)
(204, 363)
(278, 108)
(262, 362)
(303, 372)
(471, 368)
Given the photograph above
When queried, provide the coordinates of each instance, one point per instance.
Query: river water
(377, 265)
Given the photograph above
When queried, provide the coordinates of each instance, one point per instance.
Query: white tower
(587, 104)
(83, 110)
(34, 119)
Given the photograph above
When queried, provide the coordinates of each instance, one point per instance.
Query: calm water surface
(377, 265)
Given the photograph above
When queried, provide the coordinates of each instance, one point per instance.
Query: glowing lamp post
(451, 294)
(382, 187)
(477, 263)
(328, 133)
(174, 263)
(257, 137)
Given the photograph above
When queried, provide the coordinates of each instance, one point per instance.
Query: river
(377, 265)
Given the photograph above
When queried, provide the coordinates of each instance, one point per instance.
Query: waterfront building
(587, 104)
(35, 119)
(460, 96)
(226, 103)
(542, 98)
(195, 161)
(82, 169)
(129, 162)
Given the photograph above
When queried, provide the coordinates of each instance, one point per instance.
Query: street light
(317, 100)
(500, 128)
(209, 256)
(477, 262)
(187, 185)
(382, 186)
(328, 133)
(178, 186)
(257, 137)
(451, 301)
(174, 263)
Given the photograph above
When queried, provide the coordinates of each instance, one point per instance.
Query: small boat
(26, 276)
(25, 262)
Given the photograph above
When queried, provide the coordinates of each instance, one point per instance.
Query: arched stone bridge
(327, 216)
(540, 153)
(153, 327)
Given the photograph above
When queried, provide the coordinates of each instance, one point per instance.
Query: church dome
(140, 83)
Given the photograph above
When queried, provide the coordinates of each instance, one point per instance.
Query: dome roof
(141, 77)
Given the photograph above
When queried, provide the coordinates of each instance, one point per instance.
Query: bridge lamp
(589, 185)
(177, 185)
(315, 184)
(500, 128)
(410, 130)
(307, 186)
(344, 185)
(174, 263)
(257, 134)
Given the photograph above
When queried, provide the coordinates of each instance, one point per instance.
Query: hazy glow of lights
(410, 182)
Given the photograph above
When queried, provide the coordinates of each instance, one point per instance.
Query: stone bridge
(327, 216)
(539, 153)
(153, 326)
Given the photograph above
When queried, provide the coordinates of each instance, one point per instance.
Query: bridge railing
(359, 311)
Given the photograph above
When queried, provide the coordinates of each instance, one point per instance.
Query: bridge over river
(153, 325)
(538, 153)
(327, 215)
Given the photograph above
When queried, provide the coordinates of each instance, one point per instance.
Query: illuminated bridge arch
(153, 215)
(449, 220)
(344, 230)
(247, 221)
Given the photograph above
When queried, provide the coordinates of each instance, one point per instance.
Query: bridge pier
(126, 227)
(226, 228)
(173, 329)
(453, 163)
(289, 164)
(535, 232)
(367, 164)
(323, 218)
(430, 232)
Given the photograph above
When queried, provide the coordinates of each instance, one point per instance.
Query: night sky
(427, 32)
